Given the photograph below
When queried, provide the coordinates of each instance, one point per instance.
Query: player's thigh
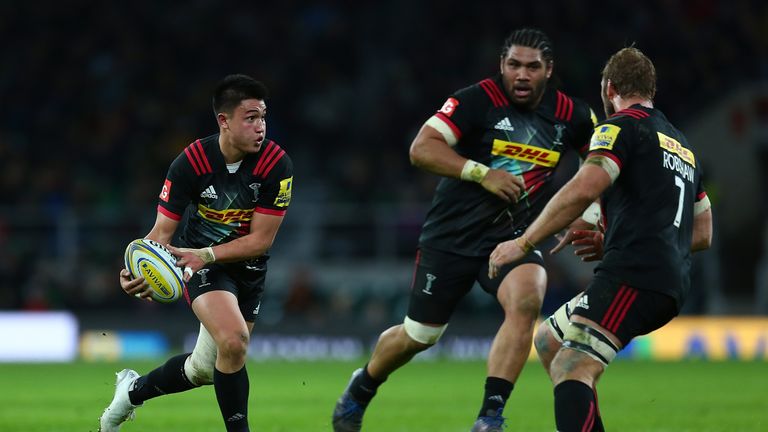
(440, 280)
(622, 311)
(213, 294)
(520, 284)
(245, 283)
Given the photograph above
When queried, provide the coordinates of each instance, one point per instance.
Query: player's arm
(583, 189)
(431, 151)
(702, 225)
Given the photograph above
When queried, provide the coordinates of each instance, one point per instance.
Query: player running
(497, 144)
(238, 183)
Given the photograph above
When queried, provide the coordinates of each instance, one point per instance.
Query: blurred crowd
(98, 98)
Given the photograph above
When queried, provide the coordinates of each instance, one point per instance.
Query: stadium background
(98, 97)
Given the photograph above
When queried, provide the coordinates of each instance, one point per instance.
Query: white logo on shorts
(583, 302)
(428, 289)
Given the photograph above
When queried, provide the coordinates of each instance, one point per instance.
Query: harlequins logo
(255, 187)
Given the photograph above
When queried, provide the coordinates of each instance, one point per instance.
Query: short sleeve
(464, 110)
(276, 190)
(176, 193)
(610, 140)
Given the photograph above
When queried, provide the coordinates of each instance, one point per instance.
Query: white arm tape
(607, 164)
(445, 130)
(592, 214)
(701, 206)
(474, 171)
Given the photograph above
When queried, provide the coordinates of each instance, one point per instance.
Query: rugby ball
(155, 263)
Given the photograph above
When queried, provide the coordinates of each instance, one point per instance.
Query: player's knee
(546, 344)
(584, 354)
(233, 345)
(423, 334)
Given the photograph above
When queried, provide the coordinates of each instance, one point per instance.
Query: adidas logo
(236, 417)
(504, 124)
(209, 192)
(583, 302)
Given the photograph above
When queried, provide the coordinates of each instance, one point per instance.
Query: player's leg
(219, 312)
(549, 335)
(440, 281)
(605, 319)
(520, 293)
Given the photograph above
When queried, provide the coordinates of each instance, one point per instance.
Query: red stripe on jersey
(624, 311)
(701, 196)
(264, 157)
(447, 121)
(631, 112)
(564, 108)
(192, 161)
(204, 156)
(559, 105)
(616, 300)
(267, 211)
(497, 91)
(269, 158)
(168, 213)
(570, 109)
(489, 91)
(274, 161)
(198, 158)
(640, 113)
(610, 156)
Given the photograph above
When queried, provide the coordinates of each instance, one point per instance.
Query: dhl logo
(672, 145)
(224, 216)
(526, 153)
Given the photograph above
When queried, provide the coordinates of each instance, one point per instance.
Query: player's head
(526, 65)
(627, 74)
(238, 103)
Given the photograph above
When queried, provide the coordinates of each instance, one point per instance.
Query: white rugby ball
(155, 263)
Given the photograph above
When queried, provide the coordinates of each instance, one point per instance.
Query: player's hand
(505, 253)
(503, 184)
(191, 260)
(136, 287)
(588, 244)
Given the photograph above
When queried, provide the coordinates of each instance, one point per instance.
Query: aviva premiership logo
(525, 153)
(284, 195)
(604, 137)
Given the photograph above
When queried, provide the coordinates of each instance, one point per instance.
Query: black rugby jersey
(648, 211)
(464, 217)
(224, 202)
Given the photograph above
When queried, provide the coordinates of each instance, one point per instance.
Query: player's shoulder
(565, 108)
(201, 155)
(272, 160)
(489, 90)
(631, 115)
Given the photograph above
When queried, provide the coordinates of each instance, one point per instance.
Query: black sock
(575, 407)
(364, 386)
(232, 395)
(497, 392)
(166, 379)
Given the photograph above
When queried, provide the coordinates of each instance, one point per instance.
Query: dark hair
(631, 73)
(234, 89)
(531, 38)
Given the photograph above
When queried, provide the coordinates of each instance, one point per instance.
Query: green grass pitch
(423, 396)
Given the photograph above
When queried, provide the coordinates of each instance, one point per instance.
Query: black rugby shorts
(245, 282)
(625, 311)
(441, 279)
